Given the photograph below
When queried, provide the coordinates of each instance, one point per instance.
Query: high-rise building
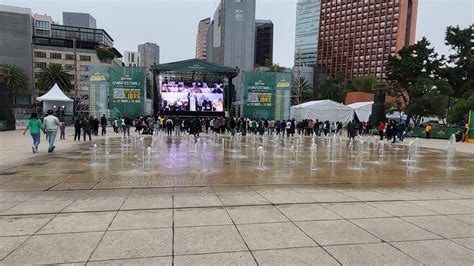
(15, 49)
(201, 38)
(357, 37)
(150, 55)
(84, 20)
(132, 59)
(231, 42)
(306, 32)
(263, 41)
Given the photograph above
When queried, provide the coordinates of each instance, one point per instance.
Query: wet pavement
(195, 205)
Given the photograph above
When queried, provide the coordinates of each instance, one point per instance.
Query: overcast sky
(172, 24)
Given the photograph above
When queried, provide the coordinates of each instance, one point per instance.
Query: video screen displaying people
(192, 96)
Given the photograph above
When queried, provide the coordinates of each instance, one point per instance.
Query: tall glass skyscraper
(306, 33)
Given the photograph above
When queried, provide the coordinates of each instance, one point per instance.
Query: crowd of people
(85, 127)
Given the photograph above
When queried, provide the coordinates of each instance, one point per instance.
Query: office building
(54, 44)
(83, 20)
(150, 55)
(263, 42)
(201, 38)
(132, 59)
(15, 46)
(357, 37)
(231, 42)
(306, 32)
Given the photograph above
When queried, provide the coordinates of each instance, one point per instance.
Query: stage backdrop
(267, 95)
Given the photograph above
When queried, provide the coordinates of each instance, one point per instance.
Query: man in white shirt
(50, 127)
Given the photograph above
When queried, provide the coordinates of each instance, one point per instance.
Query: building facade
(16, 47)
(231, 42)
(306, 32)
(357, 37)
(263, 42)
(150, 55)
(132, 59)
(57, 44)
(201, 38)
(84, 20)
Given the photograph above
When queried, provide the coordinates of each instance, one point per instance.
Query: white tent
(54, 99)
(322, 110)
(363, 110)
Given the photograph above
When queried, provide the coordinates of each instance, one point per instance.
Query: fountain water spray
(107, 146)
(261, 157)
(314, 150)
(412, 159)
(147, 159)
(203, 158)
(360, 155)
(451, 152)
(293, 154)
(94, 158)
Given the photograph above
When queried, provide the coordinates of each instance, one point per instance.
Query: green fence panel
(3, 125)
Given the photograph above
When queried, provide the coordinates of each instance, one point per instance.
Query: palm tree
(301, 91)
(54, 73)
(15, 79)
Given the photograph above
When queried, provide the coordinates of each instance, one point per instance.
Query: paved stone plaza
(58, 208)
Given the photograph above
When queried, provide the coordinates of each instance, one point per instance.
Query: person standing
(62, 129)
(86, 128)
(428, 130)
(35, 126)
(128, 124)
(50, 125)
(77, 129)
(103, 124)
(96, 126)
(169, 127)
(381, 129)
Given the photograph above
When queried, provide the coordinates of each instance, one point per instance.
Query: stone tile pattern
(243, 225)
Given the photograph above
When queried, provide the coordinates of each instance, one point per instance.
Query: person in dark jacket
(77, 129)
(103, 124)
(86, 127)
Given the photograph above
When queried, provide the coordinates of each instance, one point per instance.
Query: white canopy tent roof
(363, 110)
(322, 110)
(54, 99)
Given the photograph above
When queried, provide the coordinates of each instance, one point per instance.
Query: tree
(363, 83)
(273, 67)
(302, 91)
(15, 78)
(460, 110)
(460, 72)
(335, 88)
(54, 73)
(415, 76)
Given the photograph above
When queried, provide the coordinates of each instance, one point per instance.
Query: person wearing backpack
(35, 126)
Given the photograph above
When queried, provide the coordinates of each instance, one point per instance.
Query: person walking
(35, 126)
(128, 124)
(103, 124)
(50, 126)
(77, 129)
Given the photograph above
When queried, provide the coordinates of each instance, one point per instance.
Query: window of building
(40, 54)
(69, 67)
(41, 24)
(37, 75)
(55, 56)
(40, 64)
(85, 58)
(84, 68)
(69, 57)
(22, 100)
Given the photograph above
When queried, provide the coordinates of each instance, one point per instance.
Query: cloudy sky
(173, 23)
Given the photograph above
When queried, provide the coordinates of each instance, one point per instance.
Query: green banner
(436, 133)
(127, 90)
(266, 95)
(98, 90)
(471, 124)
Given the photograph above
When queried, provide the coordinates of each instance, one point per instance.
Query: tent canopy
(55, 94)
(196, 66)
(363, 110)
(322, 110)
(56, 100)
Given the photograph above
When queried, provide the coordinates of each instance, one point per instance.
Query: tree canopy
(15, 78)
(363, 83)
(302, 91)
(54, 73)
